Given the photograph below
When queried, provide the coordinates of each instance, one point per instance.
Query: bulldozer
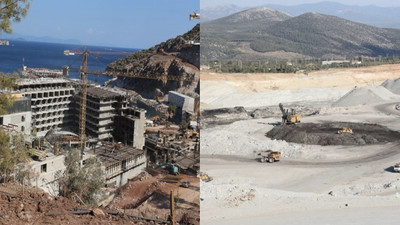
(345, 130)
(270, 156)
(289, 117)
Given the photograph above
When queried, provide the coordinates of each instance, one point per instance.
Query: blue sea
(51, 55)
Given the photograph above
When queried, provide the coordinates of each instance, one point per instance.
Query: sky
(119, 23)
(382, 3)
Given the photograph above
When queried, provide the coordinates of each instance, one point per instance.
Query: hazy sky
(383, 3)
(122, 23)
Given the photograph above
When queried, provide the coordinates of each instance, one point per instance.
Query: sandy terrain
(229, 90)
(312, 184)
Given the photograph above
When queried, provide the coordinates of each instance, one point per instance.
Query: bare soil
(326, 133)
(32, 206)
(149, 196)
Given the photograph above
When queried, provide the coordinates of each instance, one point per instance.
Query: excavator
(345, 130)
(289, 117)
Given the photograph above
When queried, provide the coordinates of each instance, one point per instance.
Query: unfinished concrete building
(109, 117)
(103, 104)
(185, 104)
(18, 116)
(120, 162)
(45, 173)
(50, 102)
(129, 127)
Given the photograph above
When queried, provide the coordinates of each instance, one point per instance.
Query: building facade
(50, 102)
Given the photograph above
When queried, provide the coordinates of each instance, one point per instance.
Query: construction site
(149, 164)
(321, 148)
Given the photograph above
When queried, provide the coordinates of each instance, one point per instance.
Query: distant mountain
(384, 17)
(274, 34)
(212, 13)
(48, 39)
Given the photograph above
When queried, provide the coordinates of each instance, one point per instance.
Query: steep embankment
(175, 57)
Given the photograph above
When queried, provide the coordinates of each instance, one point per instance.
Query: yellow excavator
(345, 130)
(289, 117)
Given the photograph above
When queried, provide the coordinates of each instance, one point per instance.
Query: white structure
(47, 172)
(120, 162)
(186, 103)
(18, 116)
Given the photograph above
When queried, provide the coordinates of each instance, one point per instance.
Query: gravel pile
(392, 85)
(326, 134)
(365, 96)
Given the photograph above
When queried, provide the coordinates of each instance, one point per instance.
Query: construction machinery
(170, 168)
(190, 133)
(204, 177)
(194, 15)
(396, 167)
(289, 117)
(345, 130)
(270, 156)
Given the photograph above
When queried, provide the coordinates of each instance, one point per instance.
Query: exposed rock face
(176, 57)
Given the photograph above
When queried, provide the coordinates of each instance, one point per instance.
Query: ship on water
(4, 42)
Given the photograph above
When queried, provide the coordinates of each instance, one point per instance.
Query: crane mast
(82, 112)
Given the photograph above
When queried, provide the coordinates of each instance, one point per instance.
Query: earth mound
(327, 134)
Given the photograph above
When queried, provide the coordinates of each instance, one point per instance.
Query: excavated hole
(326, 134)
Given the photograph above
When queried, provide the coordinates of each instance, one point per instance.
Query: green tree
(172, 109)
(7, 83)
(85, 181)
(12, 153)
(12, 11)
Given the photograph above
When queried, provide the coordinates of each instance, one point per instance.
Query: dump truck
(396, 167)
(270, 156)
(289, 117)
(204, 177)
(345, 130)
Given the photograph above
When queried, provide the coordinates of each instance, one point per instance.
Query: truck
(270, 156)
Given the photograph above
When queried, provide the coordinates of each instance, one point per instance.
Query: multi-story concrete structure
(109, 117)
(129, 127)
(50, 102)
(102, 106)
(18, 116)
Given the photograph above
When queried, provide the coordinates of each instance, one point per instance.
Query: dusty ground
(149, 196)
(32, 207)
(312, 184)
(229, 90)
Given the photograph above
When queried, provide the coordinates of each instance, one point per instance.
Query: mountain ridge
(310, 35)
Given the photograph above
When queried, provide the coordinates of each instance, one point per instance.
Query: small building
(18, 116)
(45, 174)
(120, 162)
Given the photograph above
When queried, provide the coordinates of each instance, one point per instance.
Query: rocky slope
(265, 33)
(174, 57)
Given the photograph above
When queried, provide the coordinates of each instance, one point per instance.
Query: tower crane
(84, 83)
(194, 15)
